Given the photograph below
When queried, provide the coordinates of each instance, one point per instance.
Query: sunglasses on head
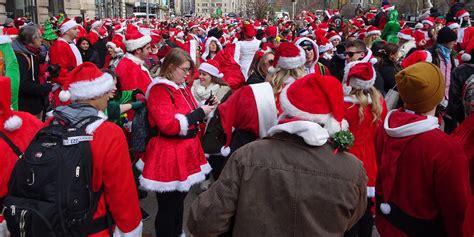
(351, 54)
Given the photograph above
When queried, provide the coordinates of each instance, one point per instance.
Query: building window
(198, 4)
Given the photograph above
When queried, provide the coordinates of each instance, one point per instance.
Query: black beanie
(446, 35)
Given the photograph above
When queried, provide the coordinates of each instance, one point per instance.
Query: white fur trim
(385, 208)
(325, 48)
(13, 123)
(370, 192)
(96, 25)
(404, 36)
(67, 26)
(90, 129)
(183, 124)
(374, 32)
(335, 37)
(114, 46)
(5, 39)
(333, 126)
(410, 129)
(466, 57)
(312, 133)
(454, 26)
(64, 95)
(427, 22)
(3, 229)
(266, 107)
(315, 47)
(208, 42)
(362, 84)
(225, 151)
(90, 89)
(291, 110)
(132, 45)
(209, 68)
(137, 232)
(292, 62)
(192, 49)
(75, 51)
(182, 186)
(140, 164)
(463, 15)
(429, 57)
(160, 80)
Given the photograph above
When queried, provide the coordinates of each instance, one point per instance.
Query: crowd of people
(312, 126)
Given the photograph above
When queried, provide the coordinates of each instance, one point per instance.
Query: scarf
(445, 53)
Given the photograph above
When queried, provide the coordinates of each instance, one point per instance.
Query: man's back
(281, 186)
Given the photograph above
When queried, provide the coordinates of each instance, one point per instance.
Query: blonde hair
(362, 96)
(172, 60)
(278, 78)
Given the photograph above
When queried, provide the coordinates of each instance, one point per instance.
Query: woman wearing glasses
(174, 159)
(312, 55)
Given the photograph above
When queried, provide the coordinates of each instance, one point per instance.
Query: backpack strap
(322, 70)
(11, 144)
(27, 59)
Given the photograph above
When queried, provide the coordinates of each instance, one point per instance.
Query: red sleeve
(57, 56)
(452, 189)
(112, 169)
(161, 111)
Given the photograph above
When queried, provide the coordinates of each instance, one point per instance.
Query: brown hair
(172, 60)
(257, 64)
(215, 80)
(362, 96)
(358, 44)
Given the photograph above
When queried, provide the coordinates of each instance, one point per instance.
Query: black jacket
(101, 47)
(32, 95)
(387, 72)
(255, 78)
(459, 77)
(336, 67)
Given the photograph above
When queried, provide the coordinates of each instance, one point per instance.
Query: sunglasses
(351, 54)
(270, 62)
(309, 48)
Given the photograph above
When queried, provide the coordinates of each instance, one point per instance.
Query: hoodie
(421, 171)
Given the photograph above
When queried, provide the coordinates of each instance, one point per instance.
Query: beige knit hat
(421, 86)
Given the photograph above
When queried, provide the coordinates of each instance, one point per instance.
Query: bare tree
(260, 8)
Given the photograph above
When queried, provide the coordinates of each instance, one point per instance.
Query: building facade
(207, 8)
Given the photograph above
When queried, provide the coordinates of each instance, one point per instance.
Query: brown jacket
(280, 186)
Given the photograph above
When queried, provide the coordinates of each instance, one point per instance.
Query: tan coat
(280, 186)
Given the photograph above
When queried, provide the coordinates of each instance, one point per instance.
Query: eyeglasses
(351, 54)
(308, 49)
(185, 70)
(270, 62)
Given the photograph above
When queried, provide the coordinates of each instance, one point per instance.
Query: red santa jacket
(112, 169)
(421, 171)
(132, 74)
(93, 36)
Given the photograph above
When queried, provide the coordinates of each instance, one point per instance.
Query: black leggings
(169, 218)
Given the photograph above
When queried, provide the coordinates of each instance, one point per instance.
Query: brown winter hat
(421, 86)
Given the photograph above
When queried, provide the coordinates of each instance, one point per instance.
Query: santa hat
(249, 30)
(324, 44)
(324, 27)
(134, 39)
(12, 121)
(257, 25)
(406, 34)
(453, 25)
(86, 81)
(372, 30)
(288, 56)
(103, 32)
(67, 25)
(96, 24)
(300, 40)
(428, 20)
(118, 28)
(315, 98)
(192, 25)
(251, 108)
(19, 22)
(212, 68)
(373, 10)
(359, 75)
(206, 47)
(461, 14)
(331, 36)
(466, 55)
(117, 45)
(303, 32)
(271, 31)
(388, 7)
(415, 57)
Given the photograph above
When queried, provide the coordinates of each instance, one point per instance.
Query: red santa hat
(388, 7)
(118, 28)
(323, 42)
(323, 26)
(373, 10)
(402, 24)
(359, 75)
(249, 30)
(372, 30)
(288, 56)
(10, 119)
(96, 24)
(461, 14)
(117, 45)
(257, 25)
(415, 57)
(271, 31)
(192, 25)
(67, 25)
(428, 20)
(370, 16)
(19, 22)
(453, 25)
(212, 68)
(315, 98)
(206, 46)
(86, 81)
(251, 108)
(406, 34)
(103, 32)
(134, 39)
(331, 36)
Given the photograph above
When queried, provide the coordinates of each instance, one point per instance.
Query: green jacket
(113, 107)
(391, 28)
(11, 68)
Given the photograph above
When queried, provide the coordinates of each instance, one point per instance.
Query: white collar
(134, 59)
(410, 129)
(312, 133)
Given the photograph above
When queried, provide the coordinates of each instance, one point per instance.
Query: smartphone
(208, 99)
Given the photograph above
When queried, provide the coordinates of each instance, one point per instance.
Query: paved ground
(150, 205)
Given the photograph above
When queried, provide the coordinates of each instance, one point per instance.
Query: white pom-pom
(225, 151)
(13, 123)
(64, 96)
(466, 57)
(373, 60)
(333, 126)
(264, 40)
(385, 208)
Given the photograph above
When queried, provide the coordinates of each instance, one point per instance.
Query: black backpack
(50, 189)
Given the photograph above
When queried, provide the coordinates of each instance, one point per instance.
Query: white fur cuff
(183, 124)
(137, 232)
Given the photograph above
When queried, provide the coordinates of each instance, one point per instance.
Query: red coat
(92, 36)
(171, 163)
(421, 171)
(112, 169)
(132, 74)
(364, 134)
